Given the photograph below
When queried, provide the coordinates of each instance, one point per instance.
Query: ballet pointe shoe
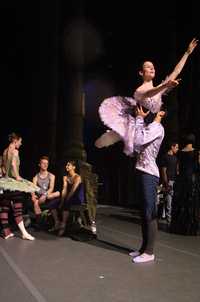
(107, 139)
(25, 234)
(28, 236)
(11, 235)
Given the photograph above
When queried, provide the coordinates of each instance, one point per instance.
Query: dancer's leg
(65, 216)
(107, 139)
(17, 207)
(4, 221)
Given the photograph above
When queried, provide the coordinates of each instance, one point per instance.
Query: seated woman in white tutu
(13, 187)
(117, 112)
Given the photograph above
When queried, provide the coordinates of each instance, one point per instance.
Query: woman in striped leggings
(13, 188)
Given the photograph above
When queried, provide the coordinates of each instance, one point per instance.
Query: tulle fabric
(117, 113)
(24, 185)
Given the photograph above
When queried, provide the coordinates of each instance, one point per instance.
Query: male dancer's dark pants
(147, 196)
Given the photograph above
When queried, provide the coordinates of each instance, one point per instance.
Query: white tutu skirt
(116, 113)
(24, 185)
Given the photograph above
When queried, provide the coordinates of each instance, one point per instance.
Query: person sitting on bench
(46, 182)
(72, 193)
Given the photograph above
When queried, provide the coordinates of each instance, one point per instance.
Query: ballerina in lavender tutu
(117, 112)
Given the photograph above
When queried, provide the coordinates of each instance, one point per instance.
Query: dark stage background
(117, 37)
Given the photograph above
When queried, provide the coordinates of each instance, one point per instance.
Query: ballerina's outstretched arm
(178, 68)
(171, 80)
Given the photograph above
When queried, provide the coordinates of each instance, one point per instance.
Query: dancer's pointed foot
(11, 235)
(107, 139)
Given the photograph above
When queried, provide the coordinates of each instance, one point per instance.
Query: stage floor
(52, 269)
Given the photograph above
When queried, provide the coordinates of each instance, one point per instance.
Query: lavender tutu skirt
(117, 114)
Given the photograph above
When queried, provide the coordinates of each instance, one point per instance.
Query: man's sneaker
(93, 227)
(144, 258)
(134, 254)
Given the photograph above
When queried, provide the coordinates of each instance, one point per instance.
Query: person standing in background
(169, 171)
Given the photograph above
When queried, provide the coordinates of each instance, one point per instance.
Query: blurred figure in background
(186, 199)
(169, 171)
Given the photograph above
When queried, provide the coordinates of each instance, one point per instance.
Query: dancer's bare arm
(14, 165)
(51, 184)
(178, 68)
(171, 80)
